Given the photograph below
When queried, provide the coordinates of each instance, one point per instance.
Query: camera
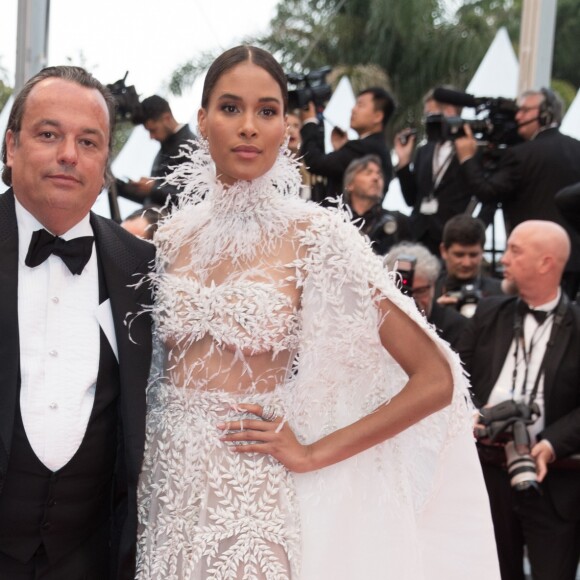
(498, 125)
(127, 104)
(511, 419)
(309, 87)
(468, 296)
(406, 273)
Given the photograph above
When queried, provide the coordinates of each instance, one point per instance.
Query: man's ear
(11, 142)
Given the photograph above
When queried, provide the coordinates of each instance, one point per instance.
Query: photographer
(529, 174)
(371, 113)
(462, 283)
(418, 270)
(431, 182)
(156, 116)
(525, 348)
(363, 192)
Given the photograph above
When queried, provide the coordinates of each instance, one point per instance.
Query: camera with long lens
(496, 126)
(468, 297)
(509, 421)
(127, 104)
(309, 87)
(406, 273)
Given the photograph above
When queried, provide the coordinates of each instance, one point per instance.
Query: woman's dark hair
(73, 74)
(239, 54)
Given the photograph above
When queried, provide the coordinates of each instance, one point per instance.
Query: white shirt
(442, 157)
(535, 337)
(59, 346)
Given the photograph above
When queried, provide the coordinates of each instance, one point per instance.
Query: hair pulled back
(239, 54)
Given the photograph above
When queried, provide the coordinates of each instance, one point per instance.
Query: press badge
(429, 206)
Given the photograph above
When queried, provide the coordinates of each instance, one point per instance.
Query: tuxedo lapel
(555, 354)
(499, 342)
(122, 270)
(9, 341)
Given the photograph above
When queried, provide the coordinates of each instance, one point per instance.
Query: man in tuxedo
(525, 348)
(369, 117)
(529, 174)
(75, 357)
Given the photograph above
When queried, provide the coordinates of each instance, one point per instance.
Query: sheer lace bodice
(261, 297)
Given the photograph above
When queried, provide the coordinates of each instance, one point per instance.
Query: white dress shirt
(535, 337)
(59, 346)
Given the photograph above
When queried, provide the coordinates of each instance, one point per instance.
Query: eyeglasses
(527, 109)
(421, 290)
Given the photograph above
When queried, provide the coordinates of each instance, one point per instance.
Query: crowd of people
(271, 387)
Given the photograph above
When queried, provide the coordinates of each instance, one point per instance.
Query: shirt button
(53, 353)
(55, 299)
(53, 405)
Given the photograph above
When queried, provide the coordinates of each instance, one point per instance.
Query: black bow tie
(539, 315)
(74, 253)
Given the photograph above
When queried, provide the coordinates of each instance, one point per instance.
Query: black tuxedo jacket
(527, 179)
(125, 259)
(417, 184)
(333, 165)
(483, 348)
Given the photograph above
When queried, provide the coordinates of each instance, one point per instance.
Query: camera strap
(559, 312)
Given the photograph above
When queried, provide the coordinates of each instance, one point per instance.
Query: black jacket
(417, 184)
(168, 157)
(333, 165)
(483, 348)
(527, 179)
(125, 259)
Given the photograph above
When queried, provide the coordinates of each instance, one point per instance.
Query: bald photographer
(521, 352)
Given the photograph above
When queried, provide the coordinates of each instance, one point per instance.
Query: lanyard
(558, 314)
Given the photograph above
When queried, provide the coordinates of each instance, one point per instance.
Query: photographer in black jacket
(530, 174)
(462, 283)
(372, 111)
(156, 116)
(363, 192)
(431, 182)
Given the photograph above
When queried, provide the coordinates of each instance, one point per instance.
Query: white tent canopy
(496, 76)
(571, 122)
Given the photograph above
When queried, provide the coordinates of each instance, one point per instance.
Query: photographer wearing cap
(418, 270)
(462, 283)
(372, 111)
(524, 349)
(156, 116)
(363, 192)
(430, 181)
(528, 175)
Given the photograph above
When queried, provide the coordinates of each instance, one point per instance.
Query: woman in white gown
(304, 422)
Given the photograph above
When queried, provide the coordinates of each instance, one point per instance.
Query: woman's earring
(203, 143)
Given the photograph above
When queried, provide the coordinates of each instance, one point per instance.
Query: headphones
(550, 109)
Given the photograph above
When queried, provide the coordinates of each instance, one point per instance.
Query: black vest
(61, 509)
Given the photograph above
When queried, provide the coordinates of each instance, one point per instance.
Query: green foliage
(5, 92)
(565, 64)
(407, 46)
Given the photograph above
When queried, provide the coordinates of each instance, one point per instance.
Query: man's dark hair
(464, 230)
(73, 74)
(152, 108)
(383, 101)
